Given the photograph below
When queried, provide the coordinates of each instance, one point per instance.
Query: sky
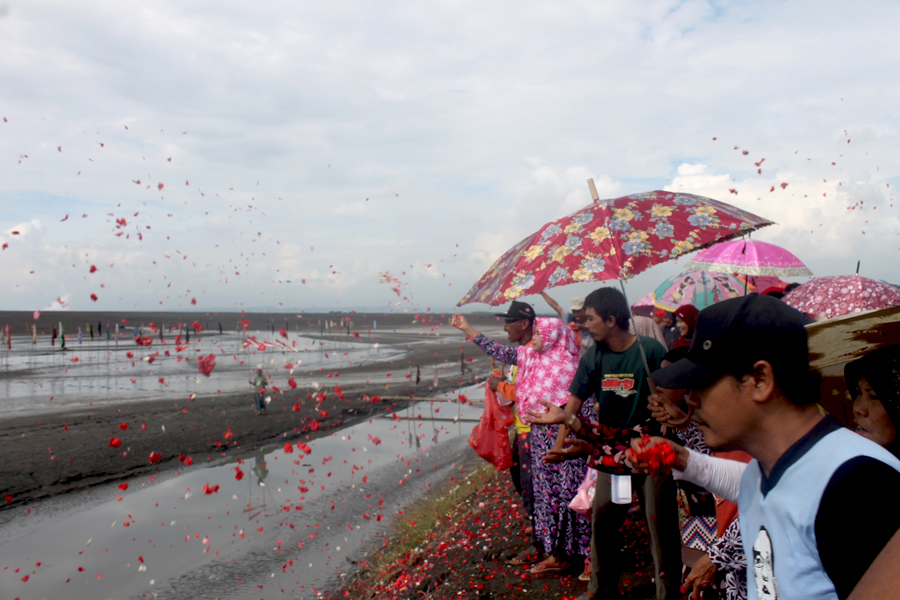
(299, 155)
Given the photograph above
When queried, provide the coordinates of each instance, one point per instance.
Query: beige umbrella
(835, 342)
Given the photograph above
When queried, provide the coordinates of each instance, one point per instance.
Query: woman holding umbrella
(545, 370)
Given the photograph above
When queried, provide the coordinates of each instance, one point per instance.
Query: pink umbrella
(750, 258)
(829, 297)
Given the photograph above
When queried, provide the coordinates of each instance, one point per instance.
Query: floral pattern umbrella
(828, 297)
(749, 257)
(700, 288)
(611, 239)
(646, 305)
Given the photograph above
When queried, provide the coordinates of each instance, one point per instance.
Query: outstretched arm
(506, 354)
(555, 306)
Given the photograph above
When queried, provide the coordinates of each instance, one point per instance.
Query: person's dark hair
(791, 287)
(609, 302)
(881, 368)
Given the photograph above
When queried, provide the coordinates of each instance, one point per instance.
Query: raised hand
(461, 323)
(643, 458)
(667, 412)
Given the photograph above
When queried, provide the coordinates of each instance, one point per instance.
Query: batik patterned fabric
(610, 444)
(611, 239)
(546, 375)
(561, 531)
(726, 552)
(508, 355)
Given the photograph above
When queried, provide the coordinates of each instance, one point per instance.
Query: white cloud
(463, 123)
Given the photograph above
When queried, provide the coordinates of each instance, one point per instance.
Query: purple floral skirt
(561, 531)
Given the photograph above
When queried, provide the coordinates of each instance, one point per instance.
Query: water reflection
(102, 371)
(294, 520)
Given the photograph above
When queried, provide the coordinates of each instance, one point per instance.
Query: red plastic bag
(490, 438)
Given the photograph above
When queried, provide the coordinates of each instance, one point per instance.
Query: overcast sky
(306, 148)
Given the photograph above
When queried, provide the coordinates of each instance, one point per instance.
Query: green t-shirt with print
(618, 381)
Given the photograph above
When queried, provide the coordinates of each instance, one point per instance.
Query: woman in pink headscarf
(545, 370)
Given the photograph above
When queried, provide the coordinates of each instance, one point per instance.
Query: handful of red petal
(658, 456)
(206, 364)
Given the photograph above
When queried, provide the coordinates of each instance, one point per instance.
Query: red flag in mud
(155, 458)
(115, 442)
(210, 489)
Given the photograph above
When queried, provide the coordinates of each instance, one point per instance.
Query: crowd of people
(747, 487)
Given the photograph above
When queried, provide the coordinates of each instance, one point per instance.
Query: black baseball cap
(519, 310)
(730, 336)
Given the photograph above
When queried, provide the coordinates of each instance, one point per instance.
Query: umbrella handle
(640, 345)
(684, 420)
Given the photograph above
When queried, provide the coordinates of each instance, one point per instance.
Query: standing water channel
(286, 521)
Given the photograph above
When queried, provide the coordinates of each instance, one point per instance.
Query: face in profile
(872, 420)
(764, 567)
(537, 344)
(515, 329)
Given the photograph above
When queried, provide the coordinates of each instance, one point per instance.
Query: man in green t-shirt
(613, 372)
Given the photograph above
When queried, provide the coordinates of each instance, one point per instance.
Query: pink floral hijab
(548, 373)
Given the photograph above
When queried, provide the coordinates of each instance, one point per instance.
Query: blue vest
(778, 529)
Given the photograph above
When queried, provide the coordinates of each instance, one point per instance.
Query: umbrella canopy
(610, 239)
(835, 342)
(646, 305)
(828, 297)
(749, 257)
(700, 288)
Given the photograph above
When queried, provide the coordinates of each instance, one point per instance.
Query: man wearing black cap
(519, 328)
(817, 503)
